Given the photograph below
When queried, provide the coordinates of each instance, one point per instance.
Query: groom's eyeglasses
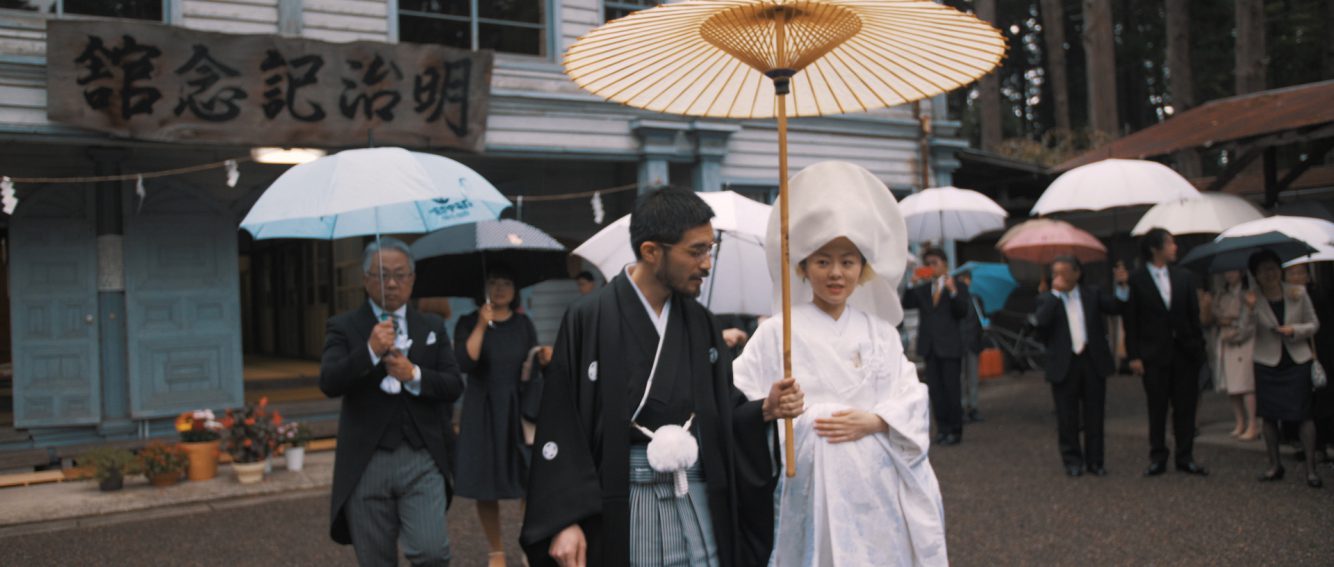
(698, 252)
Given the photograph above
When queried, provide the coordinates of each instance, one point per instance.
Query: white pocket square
(430, 339)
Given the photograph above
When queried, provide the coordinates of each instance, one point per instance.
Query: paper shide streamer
(8, 196)
(140, 191)
(233, 172)
(598, 212)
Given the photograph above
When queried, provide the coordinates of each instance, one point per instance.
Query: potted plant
(251, 436)
(294, 436)
(163, 464)
(200, 434)
(110, 465)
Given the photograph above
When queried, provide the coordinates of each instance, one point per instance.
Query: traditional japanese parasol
(746, 58)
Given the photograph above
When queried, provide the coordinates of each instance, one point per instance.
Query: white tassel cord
(672, 449)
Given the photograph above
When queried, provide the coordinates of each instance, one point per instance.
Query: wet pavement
(1007, 502)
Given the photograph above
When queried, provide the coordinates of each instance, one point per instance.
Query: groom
(641, 351)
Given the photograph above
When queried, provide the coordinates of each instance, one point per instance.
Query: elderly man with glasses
(395, 370)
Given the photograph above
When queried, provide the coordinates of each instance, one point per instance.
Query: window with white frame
(152, 10)
(507, 26)
(613, 9)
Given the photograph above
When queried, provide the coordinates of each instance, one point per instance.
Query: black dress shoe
(951, 439)
(1074, 470)
(1272, 475)
(1192, 468)
(1314, 482)
(1155, 469)
(974, 417)
(1097, 470)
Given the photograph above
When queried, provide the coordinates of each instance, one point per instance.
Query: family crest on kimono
(864, 491)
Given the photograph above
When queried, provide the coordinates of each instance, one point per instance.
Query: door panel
(183, 305)
(53, 295)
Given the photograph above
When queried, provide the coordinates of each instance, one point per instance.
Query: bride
(864, 493)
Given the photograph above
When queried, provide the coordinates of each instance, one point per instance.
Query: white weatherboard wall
(535, 110)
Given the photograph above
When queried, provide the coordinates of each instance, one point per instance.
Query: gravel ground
(1007, 502)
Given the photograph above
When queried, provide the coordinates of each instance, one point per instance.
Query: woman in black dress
(492, 344)
(1282, 320)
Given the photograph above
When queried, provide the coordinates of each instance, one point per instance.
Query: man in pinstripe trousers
(396, 373)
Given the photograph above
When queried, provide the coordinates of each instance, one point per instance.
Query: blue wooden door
(183, 315)
(53, 295)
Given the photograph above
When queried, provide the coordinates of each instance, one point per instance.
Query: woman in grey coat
(1282, 322)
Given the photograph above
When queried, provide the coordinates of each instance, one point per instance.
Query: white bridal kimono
(874, 501)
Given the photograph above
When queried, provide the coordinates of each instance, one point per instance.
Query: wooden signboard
(157, 82)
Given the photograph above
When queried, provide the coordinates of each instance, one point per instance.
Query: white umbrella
(372, 191)
(1210, 213)
(739, 282)
(1323, 253)
(1113, 183)
(950, 213)
(1313, 231)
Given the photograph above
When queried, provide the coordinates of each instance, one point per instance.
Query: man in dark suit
(942, 305)
(1071, 322)
(395, 370)
(1165, 345)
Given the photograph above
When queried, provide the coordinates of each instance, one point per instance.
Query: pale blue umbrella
(372, 192)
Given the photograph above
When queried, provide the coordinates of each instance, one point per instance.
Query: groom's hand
(569, 548)
(785, 400)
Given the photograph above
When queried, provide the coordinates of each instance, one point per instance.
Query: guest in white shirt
(1165, 345)
(1071, 321)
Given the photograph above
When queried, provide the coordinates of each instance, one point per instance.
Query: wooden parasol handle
(781, 86)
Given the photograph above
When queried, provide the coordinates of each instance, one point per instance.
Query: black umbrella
(1233, 253)
(452, 262)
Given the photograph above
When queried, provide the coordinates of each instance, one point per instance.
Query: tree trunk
(989, 97)
(1329, 42)
(1053, 35)
(1100, 61)
(1250, 23)
(1181, 80)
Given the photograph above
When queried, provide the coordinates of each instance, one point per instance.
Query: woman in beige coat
(1233, 353)
(1282, 322)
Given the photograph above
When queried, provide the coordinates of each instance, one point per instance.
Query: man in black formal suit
(942, 305)
(1071, 321)
(1165, 345)
(395, 370)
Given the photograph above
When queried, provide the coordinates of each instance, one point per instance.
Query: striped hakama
(666, 531)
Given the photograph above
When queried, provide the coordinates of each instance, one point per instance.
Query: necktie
(1075, 316)
(1164, 288)
(935, 293)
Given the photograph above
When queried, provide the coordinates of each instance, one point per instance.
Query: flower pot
(163, 480)
(296, 458)
(111, 484)
(203, 459)
(248, 473)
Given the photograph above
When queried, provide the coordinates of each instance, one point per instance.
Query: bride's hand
(849, 425)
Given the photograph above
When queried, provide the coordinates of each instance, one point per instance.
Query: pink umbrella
(1042, 240)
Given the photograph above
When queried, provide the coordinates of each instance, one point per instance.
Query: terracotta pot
(296, 458)
(248, 473)
(203, 459)
(164, 479)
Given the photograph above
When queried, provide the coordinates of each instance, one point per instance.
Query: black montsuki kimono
(581, 461)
